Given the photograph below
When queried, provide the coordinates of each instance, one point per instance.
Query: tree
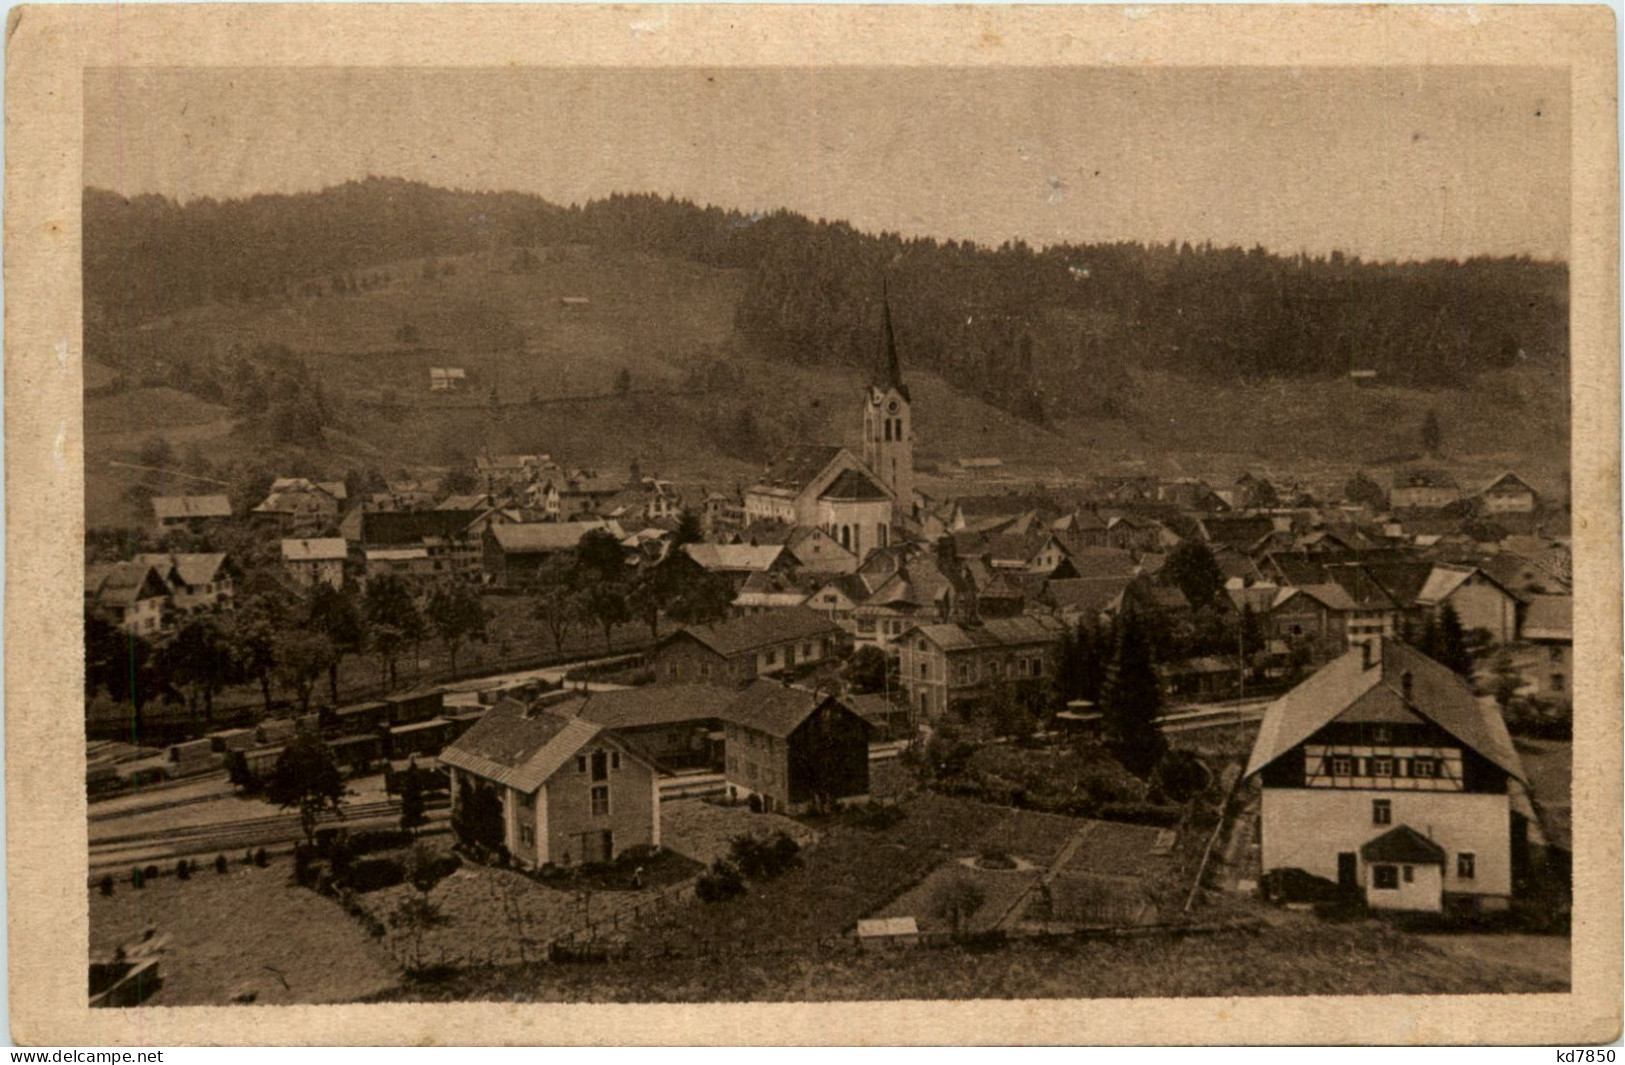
(605, 603)
(413, 813)
(701, 598)
(476, 815)
(599, 555)
(125, 665)
(868, 669)
(301, 659)
(554, 600)
(255, 626)
(1131, 699)
(457, 615)
(416, 915)
(689, 530)
(1362, 489)
(306, 777)
(333, 613)
(1507, 681)
(1452, 648)
(199, 659)
(957, 901)
(1193, 569)
(1432, 432)
(394, 620)
(646, 598)
(460, 480)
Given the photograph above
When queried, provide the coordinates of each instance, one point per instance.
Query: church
(858, 501)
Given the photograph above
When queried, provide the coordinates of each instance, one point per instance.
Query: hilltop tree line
(1034, 331)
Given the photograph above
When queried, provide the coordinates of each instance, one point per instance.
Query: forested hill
(1036, 332)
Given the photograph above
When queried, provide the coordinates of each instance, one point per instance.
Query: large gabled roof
(739, 635)
(1436, 694)
(1025, 630)
(797, 466)
(518, 747)
(855, 486)
(653, 704)
(193, 568)
(778, 709)
(123, 583)
(742, 558)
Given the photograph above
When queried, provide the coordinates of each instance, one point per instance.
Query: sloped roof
(1101, 562)
(1238, 531)
(1508, 476)
(739, 635)
(169, 507)
(395, 528)
(1402, 844)
(737, 557)
(194, 569)
(1331, 596)
(1436, 694)
(318, 550)
(797, 466)
(541, 537)
(778, 709)
(516, 748)
(855, 485)
(123, 583)
(1441, 582)
(653, 704)
(998, 632)
(1550, 617)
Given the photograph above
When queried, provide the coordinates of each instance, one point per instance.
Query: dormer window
(1381, 734)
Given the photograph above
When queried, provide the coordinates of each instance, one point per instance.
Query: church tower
(888, 422)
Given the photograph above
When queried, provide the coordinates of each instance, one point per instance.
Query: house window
(705, 669)
(1557, 682)
(1423, 767)
(1385, 877)
(866, 626)
(1342, 767)
(1381, 734)
(527, 834)
(1557, 654)
(615, 760)
(581, 763)
(527, 800)
(1465, 866)
(1410, 874)
(600, 800)
(773, 658)
(1382, 767)
(964, 672)
(924, 671)
(600, 765)
(806, 650)
(1382, 812)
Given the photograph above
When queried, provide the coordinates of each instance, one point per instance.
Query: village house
(677, 727)
(131, 595)
(1480, 601)
(511, 554)
(1508, 494)
(824, 487)
(812, 548)
(316, 561)
(189, 512)
(299, 505)
(1548, 626)
(586, 494)
(737, 562)
(1423, 489)
(918, 591)
(1383, 773)
(952, 665)
(763, 592)
(1081, 528)
(198, 582)
(421, 543)
(795, 749)
(745, 648)
(568, 790)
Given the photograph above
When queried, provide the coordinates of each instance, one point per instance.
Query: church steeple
(888, 430)
(888, 374)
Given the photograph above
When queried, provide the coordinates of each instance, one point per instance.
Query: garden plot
(702, 830)
(249, 932)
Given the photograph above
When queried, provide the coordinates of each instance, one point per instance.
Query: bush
(384, 839)
(220, 864)
(248, 857)
(150, 873)
(1180, 775)
(755, 803)
(1141, 813)
(877, 816)
(183, 870)
(373, 874)
(137, 879)
(720, 883)
(764, 859)
(261, 859)
(107, 883)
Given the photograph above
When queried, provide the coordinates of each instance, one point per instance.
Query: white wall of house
(1481, 605)
(1420, 892)
(1306, 828)
(858, 526)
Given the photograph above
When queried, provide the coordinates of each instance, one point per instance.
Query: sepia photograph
(806, 533)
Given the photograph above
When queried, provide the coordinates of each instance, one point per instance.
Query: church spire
(888, 374)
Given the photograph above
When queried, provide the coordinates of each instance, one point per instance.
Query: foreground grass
(1294, 957)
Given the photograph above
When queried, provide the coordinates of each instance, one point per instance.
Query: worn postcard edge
(47, 49)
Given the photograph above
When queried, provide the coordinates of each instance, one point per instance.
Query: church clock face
(891, 408)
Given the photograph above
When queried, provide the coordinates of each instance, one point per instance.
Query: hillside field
(551, 370)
